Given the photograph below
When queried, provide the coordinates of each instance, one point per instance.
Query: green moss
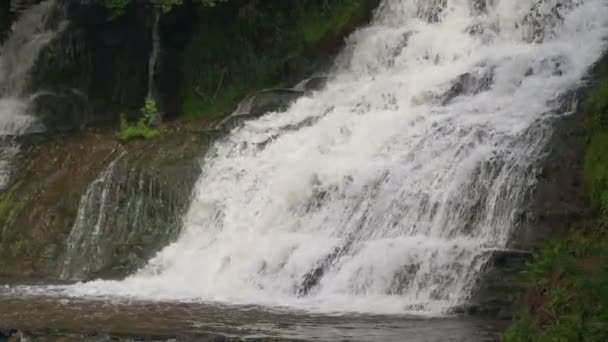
(521, 331)
(595, 108)
(138, 131)
(235, 50)
(19, 247)
(596, 172)
(7, 202)
(11, 204)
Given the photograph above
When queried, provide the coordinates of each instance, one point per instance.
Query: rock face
(60, 110)
(133, 209)
(39, 207)
(94, 70)
(502, 288)
(39, 212)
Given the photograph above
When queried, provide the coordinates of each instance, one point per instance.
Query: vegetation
(145, 127)
(568, 300)
(223, 62)
(595, 108)
(10, 204)
(568, 279)
(118, 7)
(243, 46)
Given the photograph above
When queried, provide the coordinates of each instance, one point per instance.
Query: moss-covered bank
(567, 280)
(242, 46)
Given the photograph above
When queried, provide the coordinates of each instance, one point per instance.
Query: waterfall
(384, 191)
(13, 122)
(34, 29)
(154, 53)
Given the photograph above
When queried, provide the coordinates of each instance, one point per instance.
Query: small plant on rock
(145, 127)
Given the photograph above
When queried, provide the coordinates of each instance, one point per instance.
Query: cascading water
(83, 243)
(29, 35)
(13, 122)
(154, 53)
(384, 191)
(34, 29)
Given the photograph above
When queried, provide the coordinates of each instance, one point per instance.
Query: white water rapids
(384, 191)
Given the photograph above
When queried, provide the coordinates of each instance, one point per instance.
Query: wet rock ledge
(147, 193)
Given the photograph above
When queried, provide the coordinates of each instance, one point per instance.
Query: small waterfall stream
(83, 244)
(131, 210)
(33, 30)
(152, 64)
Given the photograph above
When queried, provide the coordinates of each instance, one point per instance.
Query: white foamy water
(13, 122)
(383, 192)
(13, 117)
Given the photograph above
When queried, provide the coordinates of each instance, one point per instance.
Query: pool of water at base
(51, 317)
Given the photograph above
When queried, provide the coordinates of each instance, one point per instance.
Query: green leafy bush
(149, 112)
(145, 127)
(521, 331)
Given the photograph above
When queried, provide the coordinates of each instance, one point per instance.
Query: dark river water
(78, 319)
